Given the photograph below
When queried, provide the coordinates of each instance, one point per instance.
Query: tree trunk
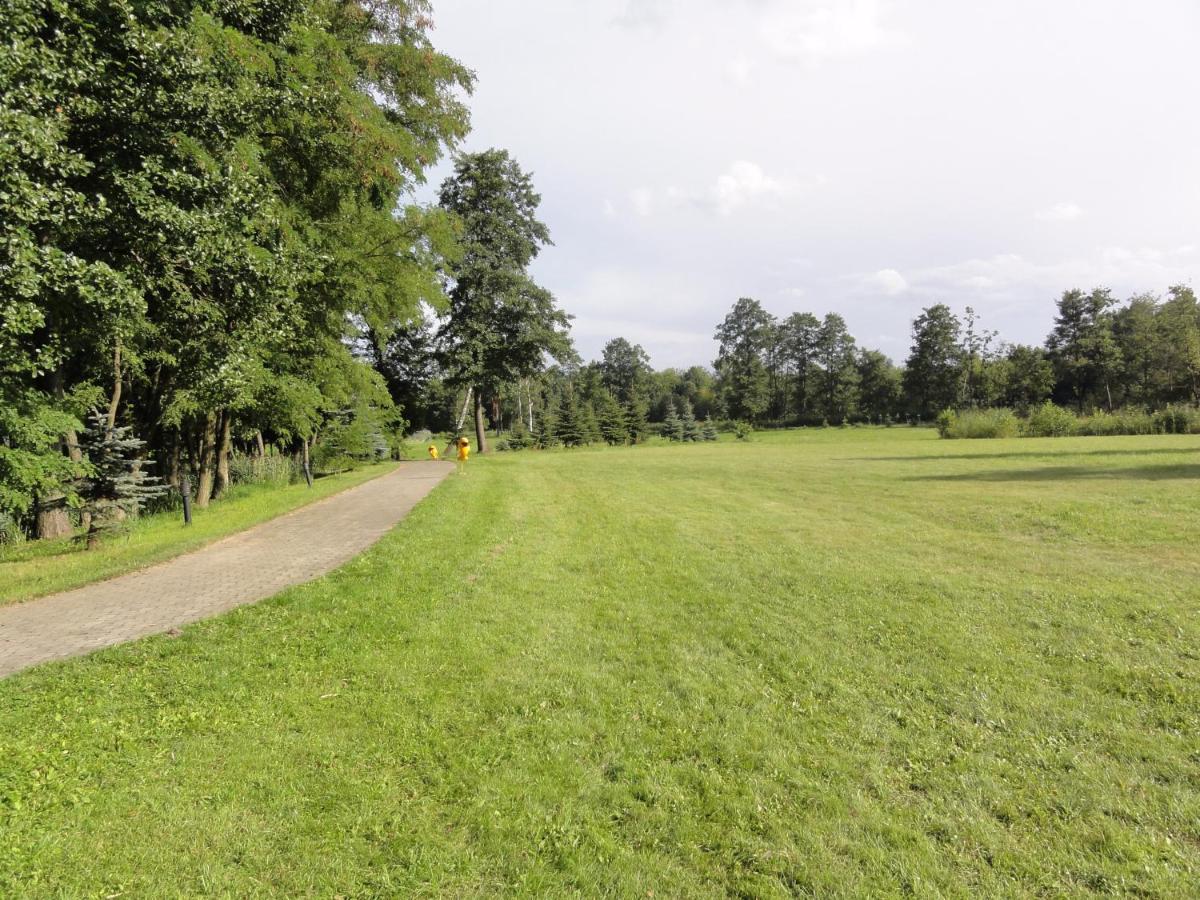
(259, 445)
(224, 449)
(53, 518)
(115, 399)
(208, 452)
(480, 431)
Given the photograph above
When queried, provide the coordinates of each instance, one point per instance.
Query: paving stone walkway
(234, 571)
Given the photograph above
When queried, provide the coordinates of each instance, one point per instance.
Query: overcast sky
(868, 157)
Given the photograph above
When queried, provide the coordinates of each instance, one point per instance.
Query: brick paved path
(236, 570)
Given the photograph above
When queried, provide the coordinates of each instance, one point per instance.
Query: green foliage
(613, 427)
(519, 437)
(117, 485)
(743, 431)
(933, 372)
(274, 468)
(743, 337)
(709, 431)
(978, 423)
(1050, 420)
(1177, 420)
(501, 324)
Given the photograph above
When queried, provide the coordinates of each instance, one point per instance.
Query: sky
(864, 157)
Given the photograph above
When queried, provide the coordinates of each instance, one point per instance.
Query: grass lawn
(842, 663)
(44, 567)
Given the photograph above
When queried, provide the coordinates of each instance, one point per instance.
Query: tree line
(208, 238)
(1100, 354)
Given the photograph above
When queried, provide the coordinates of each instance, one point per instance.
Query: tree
(709, 430)
(837, 377)
(976, 357)
(501, 324)
(1082, 347)
(624, 368)
(800, 333)
(636, 424)
(878, 386)
(1029, 377)
(743, 377)
(932, 373)
(1178, 359)
(117, 485)
(613, 426)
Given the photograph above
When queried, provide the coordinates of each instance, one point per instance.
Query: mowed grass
(38, 568)
(840, 663)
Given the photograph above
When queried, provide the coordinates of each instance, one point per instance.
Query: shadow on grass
(1020, 454)
(1074, 473)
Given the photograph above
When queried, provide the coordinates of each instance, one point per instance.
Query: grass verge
(37, 568)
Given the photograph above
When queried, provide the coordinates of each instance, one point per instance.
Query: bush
(1177, 420)
(274, 469)
(10, 530)
(742, 431)
(1049, 420)
(978, 423)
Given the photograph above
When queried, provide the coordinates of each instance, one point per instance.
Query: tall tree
(501, 325)
(1083, 348)
(878, 386)
(932, 373)
(624, 368)
(743, 376)
(837, 377)
(800, 336)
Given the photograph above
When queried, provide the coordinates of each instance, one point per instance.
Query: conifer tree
(687, 419)
(568, 432)
(672, 425)
(118, 485)
(546, 430)
(589, 426)
(636, 424)
(613, 427)
(709, 430)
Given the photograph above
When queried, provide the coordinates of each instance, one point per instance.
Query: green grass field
(43, 567)
(840, 663)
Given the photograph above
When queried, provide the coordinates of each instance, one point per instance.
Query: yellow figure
(433, 454)
(464, 453)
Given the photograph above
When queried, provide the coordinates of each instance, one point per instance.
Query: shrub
(274, 469)
(978, 423)
(1177, 420)
(742, 431)
(1049, 420)
(10, 530)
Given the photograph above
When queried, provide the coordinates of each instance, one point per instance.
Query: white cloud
(889, 281)
(813, 31)
(1059, 212)
(610, 209)
(744, 182)
(643, 201)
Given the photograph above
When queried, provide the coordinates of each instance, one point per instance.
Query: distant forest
(809, 370)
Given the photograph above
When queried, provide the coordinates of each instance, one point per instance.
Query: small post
(185, 488)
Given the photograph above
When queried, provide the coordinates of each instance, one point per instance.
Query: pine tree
(589, 427)
(612, 420)
(672, 425)
(519, 437)
(687, 418)
(709, 430)
(636, 424)
(568, 431)
(547, 428)
(118, 485)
